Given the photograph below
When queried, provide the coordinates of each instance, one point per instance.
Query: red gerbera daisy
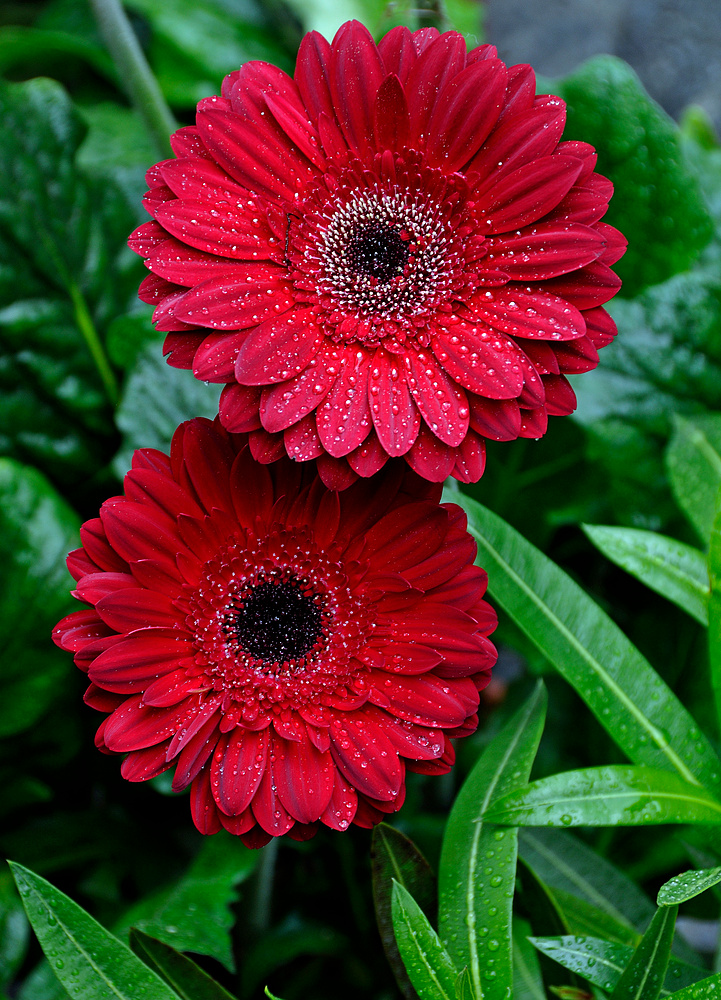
(288, 649)
(392, 254)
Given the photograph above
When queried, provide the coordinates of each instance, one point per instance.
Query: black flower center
(378, 250)
(278, 622)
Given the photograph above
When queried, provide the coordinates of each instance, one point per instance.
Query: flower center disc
(278, 621)
(378, 250)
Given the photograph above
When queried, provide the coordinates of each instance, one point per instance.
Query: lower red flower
(291, 651)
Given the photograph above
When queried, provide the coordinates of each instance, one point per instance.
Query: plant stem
(135, 74)
(260, 916)
(90, 335)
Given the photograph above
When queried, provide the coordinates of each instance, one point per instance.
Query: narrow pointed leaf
(673, 569)
(694, 467)
(704, 989)
(582, 917)
(478, 861)
(395, 856)
(619, 795)
(88, 960)
(567, 864)
(714, 607)
(687, 885)
(464, 986)
(643, 977)
(624, 692)
(527, 978)
(429, 966)
(602, 962)
(188, 980)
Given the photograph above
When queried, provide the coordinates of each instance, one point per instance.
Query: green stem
(135, 74)
(265, 875)
(90, 334)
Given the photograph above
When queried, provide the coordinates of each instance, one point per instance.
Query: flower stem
(90, 335)
(135, 74)
(261, 911)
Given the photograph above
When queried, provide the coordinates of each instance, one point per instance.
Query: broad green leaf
(714, 608)
(37, 528)
(283, 943)
(23, 45)
(428, 964)
(627, 696)
(657, 203)
(582, 917)
(188, 980)
(478, 862)
(603, 962)
(673, 569)
(566, 864)
(527, 978)
(464, 986)
(643, 977)
(618, 795)
(193, 914)
(394, 856)
(683, 887)
(67, 272)
(156, 398)
(195, 43)
(86, 958)
(693, 459)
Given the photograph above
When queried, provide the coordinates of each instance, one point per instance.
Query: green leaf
(687, 885)
(693, 460)
(657, 203)
(428, 964)
(644, 975)
(395, 856)
(195, 43)
(704, 989)
(157, 398)
(478, 863)
(37, 528)
(627, 696)
(20, 45)
(270, 995)
(582, 917)
(527, 978)
(464, 986)
(673, 569)
(14, 930)
(188, 980)
(602, 962)
(566, 864)
(66, 272)
(618, 795)
(714, 608)
(193, 913)
(86, 958)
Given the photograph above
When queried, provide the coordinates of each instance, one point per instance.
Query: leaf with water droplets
(624, 692)
(687, 885)
(602, 962)
(693, 461)
(618, 795)
(394, 856)
(478, 861)
(464, 986)
(527, 978)
(644, 975)
(714, 606)
(673, 569)
(88, 960)
(704, 989)
(188, 980)
(428, 964)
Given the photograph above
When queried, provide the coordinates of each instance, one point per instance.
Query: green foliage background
(77, 353)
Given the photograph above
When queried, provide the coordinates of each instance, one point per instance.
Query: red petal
(519, 139)
(470, 459)
(465, 111)
(342, 806)
(479, 359)
(202, 807)
(266, 448)
(536, 314)
(335, 472)
(356, 74)
(592, 286)
(238, 766)
(95, 543)
(344, 418)
(390, 115)
(498, 420)
(430, 458)
(279, 348)
(243, 298)
(526, 194)
(93, 586)
(133, 608)
(366, 757)
(141, 765)
(395, 417)
(600, 328)
(369, 458)
(134, 726)
(138, 531)
(208, 457)
(428, 700)
(312, 74)
(301, 440)
(214, 360)
(545, 250)
(160, 491)
(305, 779)
(443, 404)
(267, 807)
(560, 397)
(130, 664)
(238, 408)
(288, 402)
(439, 62)
(216, 228)
(195, 753)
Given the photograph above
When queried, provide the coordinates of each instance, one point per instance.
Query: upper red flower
(392, 254)
(288, 649)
